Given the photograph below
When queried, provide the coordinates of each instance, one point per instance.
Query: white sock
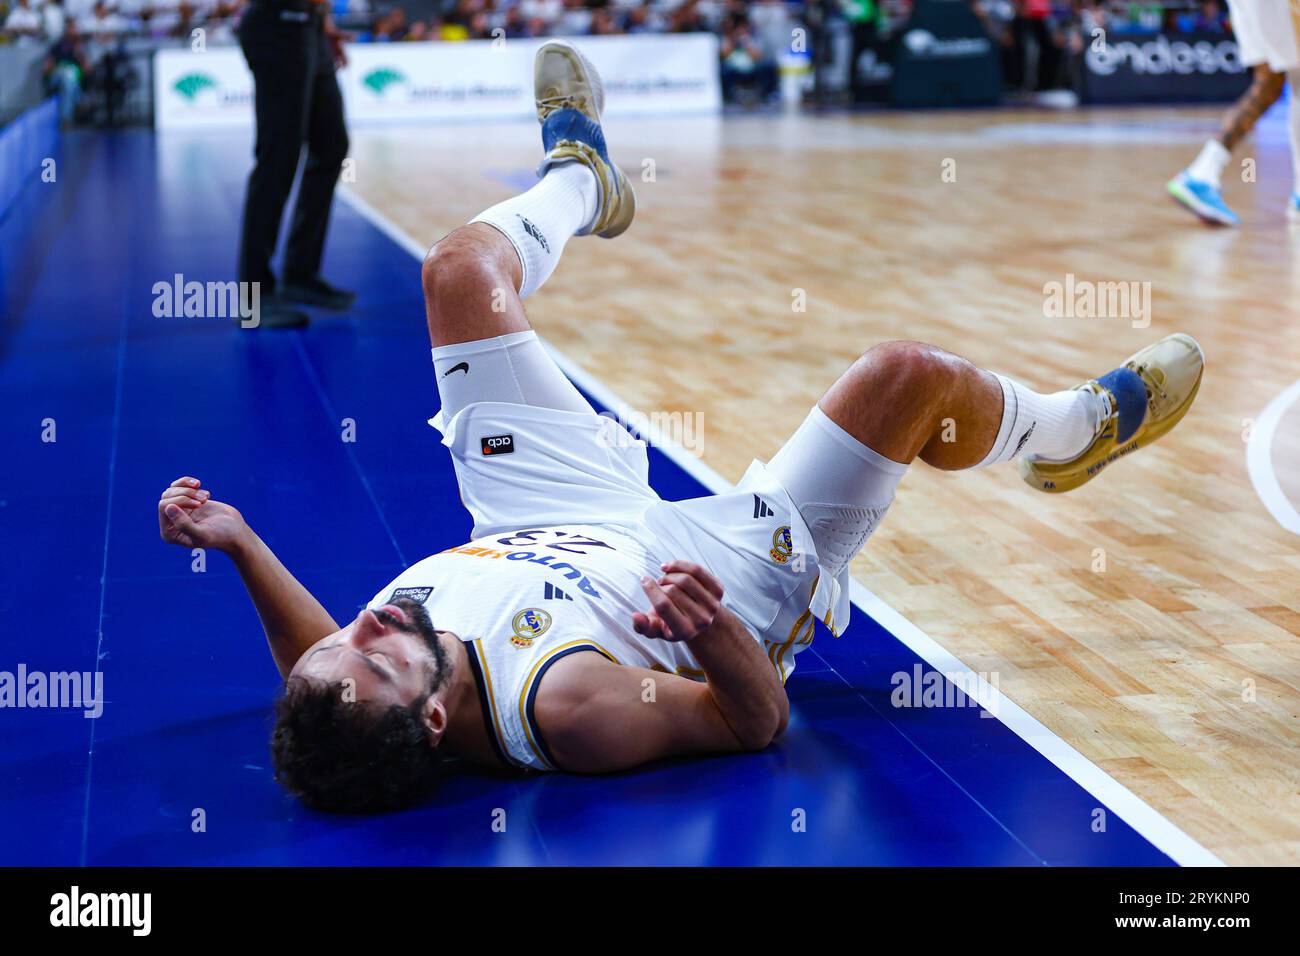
(540, 221)
(1053, 427)
(1209, 163)
(1293, 120)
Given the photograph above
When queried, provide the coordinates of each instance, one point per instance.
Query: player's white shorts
(530, 452)
(1268, 31)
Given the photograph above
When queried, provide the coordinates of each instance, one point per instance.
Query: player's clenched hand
(683, 603)
(188, 516)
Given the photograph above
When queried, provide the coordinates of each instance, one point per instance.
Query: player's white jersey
(566, 525)
(520, 601)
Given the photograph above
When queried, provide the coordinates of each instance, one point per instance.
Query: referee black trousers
(297, 104)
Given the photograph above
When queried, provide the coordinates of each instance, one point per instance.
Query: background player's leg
(1293, 123)
(1199, 186)
(1241, 117)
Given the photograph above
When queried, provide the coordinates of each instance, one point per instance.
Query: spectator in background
(644, 19)
(1210, 18)
(52, 19)
(514, 24)
(772, 24)
(1093, 17)
(391, 26)
(998, 18)
(540, 14)
(101, 23)
(65, 66)
(456, 26)
(24, 23)
(747, 71)
(1039, 46)
(687, 18)
(864, 20)
(603, 22)
(575, 20)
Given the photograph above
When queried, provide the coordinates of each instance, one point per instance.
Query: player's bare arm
(189, 516)
(601, 717)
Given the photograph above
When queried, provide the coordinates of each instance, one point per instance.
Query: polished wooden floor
(1151, 618)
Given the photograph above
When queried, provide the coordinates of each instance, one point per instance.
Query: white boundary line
(1157, 830)
(1259, 460)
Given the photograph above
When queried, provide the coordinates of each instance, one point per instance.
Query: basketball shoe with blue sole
(1202, 198)
(570, 99)
(1141, 400)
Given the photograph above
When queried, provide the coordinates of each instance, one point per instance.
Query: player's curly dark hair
(348, 757)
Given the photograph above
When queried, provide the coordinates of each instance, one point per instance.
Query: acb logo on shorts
(498, 444)
(529, 624)
(782, 545)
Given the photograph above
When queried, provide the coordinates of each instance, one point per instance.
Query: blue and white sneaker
(1201, 198)
(1293, 207)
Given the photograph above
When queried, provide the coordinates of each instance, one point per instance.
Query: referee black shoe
(317, 292)
(274, 313)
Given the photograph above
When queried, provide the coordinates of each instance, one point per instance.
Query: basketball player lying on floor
(532, 645)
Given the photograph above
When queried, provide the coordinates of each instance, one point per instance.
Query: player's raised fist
(684, 603)
(188, 516)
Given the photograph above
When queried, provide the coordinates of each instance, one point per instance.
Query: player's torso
(521, 601)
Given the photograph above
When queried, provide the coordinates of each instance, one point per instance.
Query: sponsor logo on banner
(1156, 67)
(202, 89)
(381, 79)
(1160, 55)
(923, 43)
(192, 84)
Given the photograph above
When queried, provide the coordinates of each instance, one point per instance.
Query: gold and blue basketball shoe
(1202, 198)
(570, 99)
(1141, 400)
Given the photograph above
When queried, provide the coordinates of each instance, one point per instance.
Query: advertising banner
(1160, 68)
(475, 79)
(943, 57)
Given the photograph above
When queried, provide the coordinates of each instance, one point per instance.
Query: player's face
(392, 655)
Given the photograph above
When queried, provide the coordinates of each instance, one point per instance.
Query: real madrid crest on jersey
(529, 624)
(782, 545)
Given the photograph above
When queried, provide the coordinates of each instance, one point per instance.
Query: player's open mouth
(397, 613)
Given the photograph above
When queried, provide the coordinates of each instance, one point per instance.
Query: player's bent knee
(454, 262)
(906, 363)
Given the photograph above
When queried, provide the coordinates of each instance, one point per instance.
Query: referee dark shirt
(297, 103)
